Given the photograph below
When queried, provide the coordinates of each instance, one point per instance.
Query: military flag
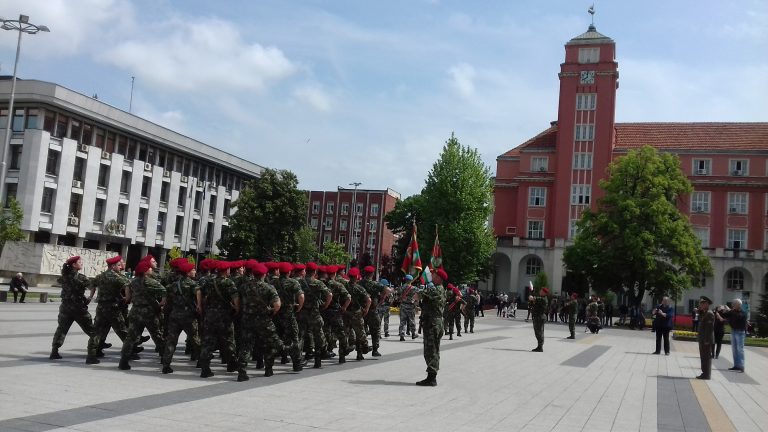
(412, 261)
(436, 261)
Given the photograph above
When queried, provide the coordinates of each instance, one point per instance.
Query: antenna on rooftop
(130, 102)
(591, 11)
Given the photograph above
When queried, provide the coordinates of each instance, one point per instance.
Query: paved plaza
(488, 381)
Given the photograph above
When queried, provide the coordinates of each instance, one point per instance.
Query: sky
(343, 91)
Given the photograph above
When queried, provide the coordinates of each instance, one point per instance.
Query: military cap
(545, 291)
(259, 269)
(185, 266)
(354, 272)
(73, 259)
(408, 277)
(574, 296)
(114, 260)
(705, 299)
(369, 269)
(271, 265)
(384, 282)
(143, 266)
(285, 267)
(311, 266)
(298, 266)
(443, 275)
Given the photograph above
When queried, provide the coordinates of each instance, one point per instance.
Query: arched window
(734, 279)
(533, 266)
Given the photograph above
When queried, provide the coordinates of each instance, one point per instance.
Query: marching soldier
(469, 310)
(221, 303)
(317, 298)
(383, 309)
(452, 307)
(358, 308)
(74, 308)
(406, 294)
(148, 297)
(186, 302)
(334, 323)
(539, 305)
(432, 303)
(110, 285)
(570, 308)
(377, 293)
(292, 300)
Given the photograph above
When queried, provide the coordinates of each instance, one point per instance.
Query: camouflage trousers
(538, 328)
(469, 319)
(289, 328)
(258, 332)
(373, 323)
(70, 313)
(572, 324)
(383, 312)
(217, 332)
(335, 331)
(313, 327)
(451, 319)
(108, 316)
(355, 326)
(138, 318)
(433, 333)
(178, 321)
(407, 318)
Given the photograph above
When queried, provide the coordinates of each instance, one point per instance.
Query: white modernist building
(91, 176)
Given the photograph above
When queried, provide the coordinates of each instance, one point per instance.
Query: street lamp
(22, 25)
(354, 219)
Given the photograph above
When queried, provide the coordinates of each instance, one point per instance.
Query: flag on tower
(436, 261)
(412, 261)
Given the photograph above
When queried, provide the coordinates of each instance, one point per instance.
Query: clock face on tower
(587, 77)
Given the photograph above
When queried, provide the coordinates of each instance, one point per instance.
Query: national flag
(436, 261)
(427, 275)
(412, 261)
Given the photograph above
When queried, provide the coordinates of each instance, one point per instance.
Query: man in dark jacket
(19, 285)
(706, 337)
(663, 317)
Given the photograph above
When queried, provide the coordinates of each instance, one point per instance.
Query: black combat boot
(231, 366)
(429, 381)
(134, 356)
(386, 334)
(342, 359)
(402, 338)
(106, 345)
(572, 336)
(465, 330)
(268, 368)
(458, 333)
(55, 354)
(360, 356)
(538, 349)
(376, 352)
(450, 336)
(242, 376)
(124, 365)
(195, 355)
(284, 359)
(99, 354)
(413, 336)
(260, 363)
(144, 339)
(138, 349)
(318, 362)
(206, 372)
(92, 360)
(167, 369)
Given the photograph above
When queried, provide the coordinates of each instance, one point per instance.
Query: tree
(10, 223)
(762, 316)
(270, 213)
(400, 221)
(637, 240)
(306, 246)
(540, 281)
(174, 253)
(333, 253)
(388, 269)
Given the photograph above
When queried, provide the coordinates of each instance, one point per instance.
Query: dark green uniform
(372, 320)
(74, 308)
(315, 294)
(288, 290)
(334, 324)
(109, 285)
(145, 312)
(405, 295)
(432, 306)
(570, 309)
(469, 312)
(539, 307)
(219, 293)
(182, 300)
(256, 325)
(354, 319)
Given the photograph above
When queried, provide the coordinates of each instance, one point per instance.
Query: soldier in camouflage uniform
(383, 309)
(110, 285)
(221, 302)
(469, 310)
(74, 308)
(593, 316)
(260, 302)
(570, 309)
(539, 306)
(317, 298)
(332, 316)
(452, 308)
(405, 296)
(292, 300)
(433, 298)
(148, 297)
(358, 308)
(185, 300)
(378, 294)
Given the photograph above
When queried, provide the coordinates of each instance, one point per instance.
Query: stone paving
(488, 380)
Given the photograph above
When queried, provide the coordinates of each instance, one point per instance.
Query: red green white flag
(412, 261)
(436, 261)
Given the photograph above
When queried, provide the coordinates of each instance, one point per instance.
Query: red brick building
(354, 218)
(543, 186)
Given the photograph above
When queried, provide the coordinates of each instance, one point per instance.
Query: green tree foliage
(540, 281)
(762, 316)
(388, 269)
(333, 253)
(306, 246)
(456, 198)
(10, 223)
(271, 211)
(174, 253)
(637, 240)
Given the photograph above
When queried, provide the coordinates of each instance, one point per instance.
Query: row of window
(736, 167)
(580, 195)
(330, 206)
(737, 237)
(371, 243)
(60, 125)
(328, 224)
(737, 202)
(583, 160)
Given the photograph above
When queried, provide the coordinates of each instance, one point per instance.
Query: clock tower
(585, 126)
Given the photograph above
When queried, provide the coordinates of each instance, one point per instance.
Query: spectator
(719, 331)
(623, 311)
(609, 314)
(513, 307)
(19, 285)
(499, 304)
(663, 317)
(737, 319)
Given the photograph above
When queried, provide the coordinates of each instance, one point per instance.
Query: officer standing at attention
(571, 307)
(706, 337)
(432, 305)
(539, 305)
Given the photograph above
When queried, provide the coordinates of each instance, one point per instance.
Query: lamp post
(22, 25)
(353, 236)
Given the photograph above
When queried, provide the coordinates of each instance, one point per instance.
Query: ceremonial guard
(432, 304)
(538, 306)
(111, 286)
(74, 308)
(260, 303)
(186, 304)
(148, 297)
(332, 316)
(292, 300)
(358, 308)
(222, 302)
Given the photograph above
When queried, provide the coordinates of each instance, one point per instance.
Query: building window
(533, 266)
(52, 163)
(358, 224)
(47, 204)
(33, 118)
(145, 184)
(18, 120)
(198, 200)
(178, 229)
(371, 243)
(103, 176)
(342, 238)
(329, 208)
(74, 131)
(125, 182)
(535, 229)
(313, 223)
(589, 55)
(581, 194)
(573, 228)
(702, 233)
(700, 202)
(182, 199)
(702, 166)
(359, 208)
(61, 126)
(734, 279)
(737, 238)
(345, 208)
(77, 174)
(739, 167)
(737, 202)
(227, 207)
(212, 206)
(142, 219)
(326, 237)
(164, 190)
(343, 224)
(161, 222)
(11, 189)
(122, 211)
(195, 229)
(537, 197)
(98, 210)
(315, 207)
(585, 132)
(15, 157)
(74, 205)
(328, 223)
(539, 164)
(586, 101)
(582, 161)
(373, 224)
(374, 209)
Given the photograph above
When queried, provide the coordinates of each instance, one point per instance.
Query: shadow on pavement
(380, 382)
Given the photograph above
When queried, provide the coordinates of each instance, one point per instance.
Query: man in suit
(706, 337)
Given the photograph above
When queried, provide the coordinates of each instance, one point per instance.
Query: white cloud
(463, 79)
(200, 55)
(314, 96)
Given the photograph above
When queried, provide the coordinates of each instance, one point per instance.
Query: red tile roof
(546, 139)
(693, 136)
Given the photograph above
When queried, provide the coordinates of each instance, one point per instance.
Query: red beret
(185, 266)
(545, 291)
(259, 269)
(237, 264)
(147, 257)
(331, 269)
(73, 259)
(354, 272)
(369, 269)
(224, 265)
(271, 265)
(311, 266)
(114, 260)
(176, 261)
(143, 266)
(443, 275)
(285, 267)
(574, 296)
(299, 266)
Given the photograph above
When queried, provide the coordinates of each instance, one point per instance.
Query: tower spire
(591, 12)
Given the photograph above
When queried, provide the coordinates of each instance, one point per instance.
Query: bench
(5, 294)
